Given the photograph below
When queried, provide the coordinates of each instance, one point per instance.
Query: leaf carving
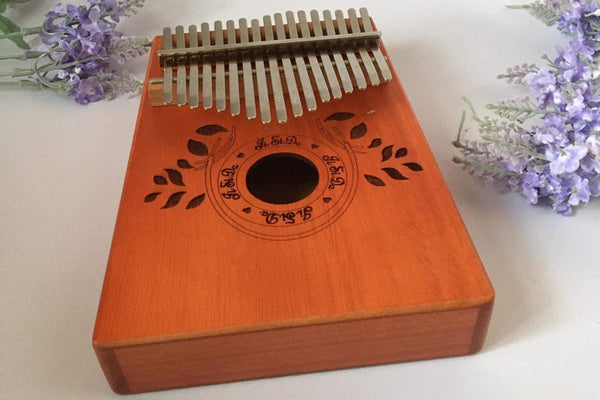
(160, 180)
(326, 199)
(413, 166)
(175, 177)
(358, 131)
(174, 199)
(209, 130)
(196, 201)
(375, 143)
(373, 180)
(339, 116)
(386, 153)
(247, 210)
(401, 152)
(151, 197)
(184, 164)
(394, 174)
(197, 148)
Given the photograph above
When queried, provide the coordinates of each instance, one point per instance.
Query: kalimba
(248, 248)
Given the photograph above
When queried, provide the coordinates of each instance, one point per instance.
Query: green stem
(19, 72)
(23, 32)
(461, 145)
(37, 29)
(514, 147)
(484, 167)
(23, 56)
(21, 83)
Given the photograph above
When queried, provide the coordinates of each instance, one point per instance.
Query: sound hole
(282, 178)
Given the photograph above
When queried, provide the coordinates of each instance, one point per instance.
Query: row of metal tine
(334, 69)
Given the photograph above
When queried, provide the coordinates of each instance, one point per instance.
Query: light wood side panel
(294, 350)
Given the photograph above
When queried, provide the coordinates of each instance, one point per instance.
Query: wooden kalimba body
(246, 248)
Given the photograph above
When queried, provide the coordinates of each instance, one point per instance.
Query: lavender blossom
(82, 52)
(547, 150)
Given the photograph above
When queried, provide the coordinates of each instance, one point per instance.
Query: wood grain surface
(202, 287)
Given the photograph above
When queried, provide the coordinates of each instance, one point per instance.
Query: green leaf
(7, 27)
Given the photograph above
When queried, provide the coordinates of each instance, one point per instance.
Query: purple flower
(542, 85)
(552, 131)
(87, 91)
(567, 160)
(530, 183)
(595, 187)
(581, 191)
(79, 41)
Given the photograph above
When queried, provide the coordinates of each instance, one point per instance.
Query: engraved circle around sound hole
(282, 178)
(320, 193)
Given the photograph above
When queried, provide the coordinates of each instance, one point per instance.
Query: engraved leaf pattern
(414, 166)
(175, 177)
(394, 174)
(174, 199)
(358, 131)
(160, 180)
(196, 201)
(209, 130)
(375, 143)
(401, 152)
(151, 197)
(386, 153)
(184, 164)
(197, 148)
(339, 116)
(247, 210)
(373, 180)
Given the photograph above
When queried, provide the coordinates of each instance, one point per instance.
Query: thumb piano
(282, 213)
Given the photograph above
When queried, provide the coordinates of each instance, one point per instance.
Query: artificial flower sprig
(548, 148)
(82, 53)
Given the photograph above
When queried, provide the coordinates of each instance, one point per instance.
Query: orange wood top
(198, 264)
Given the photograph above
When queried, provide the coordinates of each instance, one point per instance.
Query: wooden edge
(481, 326)
(479, 334)
(110, 367)
(293, 323)
(473, 338)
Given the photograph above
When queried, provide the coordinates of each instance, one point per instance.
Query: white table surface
(62, 168)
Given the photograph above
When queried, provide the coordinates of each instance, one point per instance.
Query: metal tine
(274, 72)
(219, 70)
(193, 85)
(361, 82)
(362, 50)
(167, 70)
(334, 85)
(261, 77)
(181, 74)
(247, 73)
(288, 70)
(337, 55)
(312, 59)
(207, 97)
(307, 90)
(379, 58)
(234, 86)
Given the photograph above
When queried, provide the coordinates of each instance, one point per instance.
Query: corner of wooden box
(110, 367)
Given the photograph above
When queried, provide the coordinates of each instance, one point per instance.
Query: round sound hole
(282, 178)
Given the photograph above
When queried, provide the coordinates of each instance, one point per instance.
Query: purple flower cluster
(79, 41)
(554, 152)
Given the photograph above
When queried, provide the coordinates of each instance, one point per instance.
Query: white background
(62, 168)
